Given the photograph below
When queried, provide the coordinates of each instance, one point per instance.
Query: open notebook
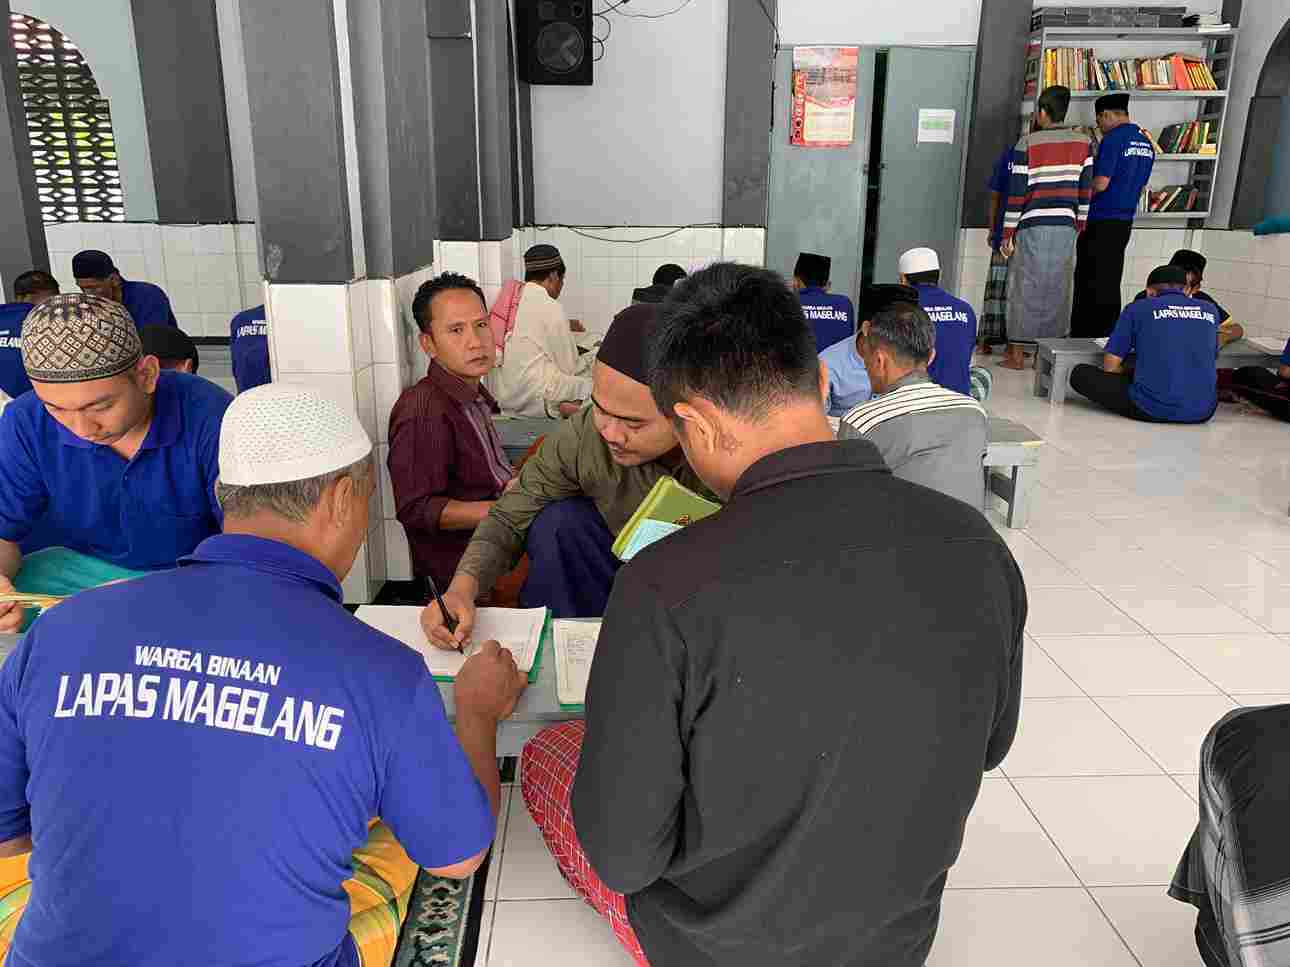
(1269, 344)
(575, 647)
(519, 629)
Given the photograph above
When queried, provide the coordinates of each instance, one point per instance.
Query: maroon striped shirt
(443, 446)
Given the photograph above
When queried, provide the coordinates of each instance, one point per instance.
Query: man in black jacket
(793, 700)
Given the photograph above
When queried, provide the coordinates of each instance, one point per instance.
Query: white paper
(646, 533)
(1102, 341)
(1267, 343)
(935, 125)
(575, 647)
(519, 629)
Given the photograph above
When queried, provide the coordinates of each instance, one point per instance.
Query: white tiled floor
(1158, 570)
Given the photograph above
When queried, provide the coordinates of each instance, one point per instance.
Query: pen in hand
(449, 621)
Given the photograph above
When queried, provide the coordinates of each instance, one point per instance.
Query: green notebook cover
(667, 507)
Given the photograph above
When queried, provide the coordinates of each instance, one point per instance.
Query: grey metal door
(817, 200)
(921, 184)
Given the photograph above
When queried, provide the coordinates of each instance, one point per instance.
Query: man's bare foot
(1015, 358)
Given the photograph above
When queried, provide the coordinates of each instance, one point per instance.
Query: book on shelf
(1080, 69)
(1188, 137)
(1174, 198)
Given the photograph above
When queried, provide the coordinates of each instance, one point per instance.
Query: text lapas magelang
(194, 701)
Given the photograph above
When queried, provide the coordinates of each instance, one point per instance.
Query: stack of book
(1107, 17)
(1174, 198)
(1190, 137)
(1079, 69)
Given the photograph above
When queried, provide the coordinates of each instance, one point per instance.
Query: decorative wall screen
(69, 125)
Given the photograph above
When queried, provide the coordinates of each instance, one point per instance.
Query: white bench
(1011, 458)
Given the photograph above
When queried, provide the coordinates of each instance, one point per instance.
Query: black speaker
(555, 41)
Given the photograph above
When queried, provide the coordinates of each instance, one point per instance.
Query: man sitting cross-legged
(927, 434)
(198, 756)
(762, 779)
(110, 461)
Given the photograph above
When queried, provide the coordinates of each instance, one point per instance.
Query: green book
(667, 508)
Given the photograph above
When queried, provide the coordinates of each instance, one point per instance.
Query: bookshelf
(1153, 109)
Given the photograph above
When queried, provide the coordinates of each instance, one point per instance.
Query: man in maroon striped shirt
(446, 459)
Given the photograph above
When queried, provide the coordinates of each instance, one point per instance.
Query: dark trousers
(1099, 267)
(1264, 389)
(571, 564)
(1111, 390)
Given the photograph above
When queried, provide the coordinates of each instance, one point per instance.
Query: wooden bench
(1057, 357)
(1011, 459)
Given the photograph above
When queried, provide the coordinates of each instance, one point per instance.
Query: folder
(667, 508)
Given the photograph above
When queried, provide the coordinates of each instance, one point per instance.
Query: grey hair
(292, 500)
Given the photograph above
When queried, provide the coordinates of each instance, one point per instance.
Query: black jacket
(790, 710)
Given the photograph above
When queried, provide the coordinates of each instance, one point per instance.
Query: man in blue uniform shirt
(248, 343)
(197, 754)
(147, 304)
(849, 383)
(1123, 166)
(955, 320)
(109, 455)
(1176, 340)
(29, 289)
(831, 317)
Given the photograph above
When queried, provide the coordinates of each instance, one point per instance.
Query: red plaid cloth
(547, 768)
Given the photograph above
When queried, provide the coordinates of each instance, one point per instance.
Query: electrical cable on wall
(631, 241)
(615, 8)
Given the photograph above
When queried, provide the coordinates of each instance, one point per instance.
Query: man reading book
(575, 494)
(762, 779)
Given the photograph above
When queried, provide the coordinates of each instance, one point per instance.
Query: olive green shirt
(572, 462)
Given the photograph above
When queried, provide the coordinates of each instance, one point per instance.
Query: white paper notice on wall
(935, 125)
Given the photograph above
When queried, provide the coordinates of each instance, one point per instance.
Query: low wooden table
(1011, 456)
(1057, 357)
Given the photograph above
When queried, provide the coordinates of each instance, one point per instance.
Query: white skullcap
(278, 433)
(919, 260)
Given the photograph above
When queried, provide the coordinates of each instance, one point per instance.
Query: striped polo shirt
(1051, 181)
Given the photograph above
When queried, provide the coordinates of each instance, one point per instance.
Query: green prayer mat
(61, 571)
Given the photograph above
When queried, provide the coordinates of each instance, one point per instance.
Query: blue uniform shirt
(249, 343)
(830, 316)
(1176, 341)
(197, 753)
(147, 304)
(1126, 157)
(143, 514)
(955, 338)
(999, 182)
(1285, 355)
(848, 379)
(13, 375)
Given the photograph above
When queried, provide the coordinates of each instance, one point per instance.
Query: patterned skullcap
(542, 258)
(76, 338)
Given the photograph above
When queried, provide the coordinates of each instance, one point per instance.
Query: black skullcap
(1167, 275)
(1189, 261)
(168, 342)
(92, 264)
(542, 258)
(626, 344)
(875, 298)
(812, 266)
(1112, 102)
(668, 274)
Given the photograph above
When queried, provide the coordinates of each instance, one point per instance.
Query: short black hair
(930, 277)
(905, 330)
(36, 280)
(735, 335)
(815, 276)
(668, 274)
(1054, 101)
(1190, 261)
(444, 282)
(541, 274)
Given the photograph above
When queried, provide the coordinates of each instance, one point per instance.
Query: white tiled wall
(210, 272)
(1249, 275)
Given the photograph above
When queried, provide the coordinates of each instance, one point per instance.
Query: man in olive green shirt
(575, 494)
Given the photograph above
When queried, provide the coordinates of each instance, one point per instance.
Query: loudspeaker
(554, 42)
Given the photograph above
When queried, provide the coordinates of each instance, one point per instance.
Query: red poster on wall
(824, 96)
